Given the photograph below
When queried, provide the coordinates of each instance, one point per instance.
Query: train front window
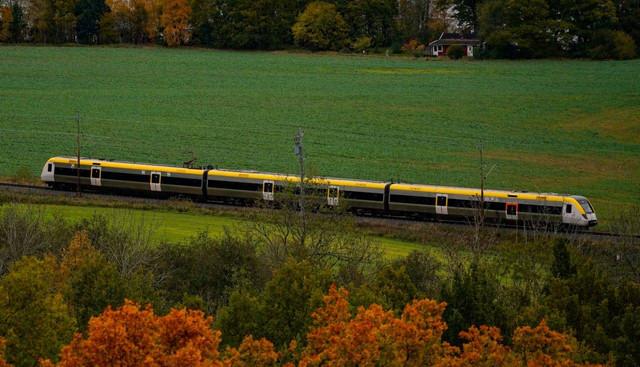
(585, 205)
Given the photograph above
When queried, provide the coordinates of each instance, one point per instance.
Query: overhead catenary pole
(483, 177)
(299, 150)
(481, 148)
(78, 193)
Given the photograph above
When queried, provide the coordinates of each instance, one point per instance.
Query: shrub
(362, 44)
(412, 46)
(24, 176)
(210, 268)
(320, 27)
(396, 48)
(608, 44)
(455, 52)
(25, 231)
(422, 268)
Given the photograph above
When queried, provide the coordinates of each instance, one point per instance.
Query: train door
(511, 210)
(96, 176)
(155, 180)
(267, 190)
(441, 204)
(333, 195)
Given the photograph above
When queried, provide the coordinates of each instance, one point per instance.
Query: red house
(468, 40)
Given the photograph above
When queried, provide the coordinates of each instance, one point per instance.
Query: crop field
(552, 126)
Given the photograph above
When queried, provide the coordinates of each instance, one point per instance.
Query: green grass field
(561, 126)
(179, 227)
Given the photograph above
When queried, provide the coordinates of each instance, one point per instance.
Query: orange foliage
(412, 45)
(3, 362)
(251, 353)
(374, 337)
(541, 346)
(175, 19)
(131, 336)
(532, 347)
(135, 336)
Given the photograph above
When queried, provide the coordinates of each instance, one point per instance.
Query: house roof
(456, 39)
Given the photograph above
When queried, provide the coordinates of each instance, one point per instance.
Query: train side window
(95, 173)
(511, 209)
(155, 178)
(568, 208)
(442, 201)
(49, 167)
(268, 187)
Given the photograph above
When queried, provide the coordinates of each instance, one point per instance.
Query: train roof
(324, 180)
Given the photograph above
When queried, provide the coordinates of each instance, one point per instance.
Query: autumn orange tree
(132, 335)
(175, 20)
(376, 337)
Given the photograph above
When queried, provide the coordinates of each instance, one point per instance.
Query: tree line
(508, 28)
(305, 287)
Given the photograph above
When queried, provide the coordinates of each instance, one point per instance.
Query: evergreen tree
(89, 13)
(562, 267)
(18, 24)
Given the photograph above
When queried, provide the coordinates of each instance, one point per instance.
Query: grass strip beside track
(179, 227)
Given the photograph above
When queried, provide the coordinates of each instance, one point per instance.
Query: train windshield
(585, 205)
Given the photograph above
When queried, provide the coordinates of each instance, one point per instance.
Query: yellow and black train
(381, 198)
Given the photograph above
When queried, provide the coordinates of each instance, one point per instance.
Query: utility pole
(78, 194)
(483, 177)
(297, 139)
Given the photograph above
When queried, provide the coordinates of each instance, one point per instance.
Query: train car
(107, 175)
(374, 197)
(500, 206)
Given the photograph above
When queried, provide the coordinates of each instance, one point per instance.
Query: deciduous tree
(34, 319)
(92, 283)
(175, 20)
(320, 27)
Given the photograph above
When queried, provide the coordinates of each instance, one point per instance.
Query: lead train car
(383, 198)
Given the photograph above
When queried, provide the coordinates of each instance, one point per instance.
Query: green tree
(211, 268)
(40, 17)
(108, 33)
(34, 318)
(241, 317)
(422, 267)
(290, 298)
(18, 25)
(608, 44)
(562, 268)
(413, 20)
(464, 11)
(64, 20)
(320, 27)
(88, 13)
(203, 17)
(394, 286)
(582, 19)
(474, 297)
(628, 14)
(602, 314)
(370, 18)
(92, 283)
(519, 28)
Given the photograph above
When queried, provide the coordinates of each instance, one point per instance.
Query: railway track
(365, 220)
